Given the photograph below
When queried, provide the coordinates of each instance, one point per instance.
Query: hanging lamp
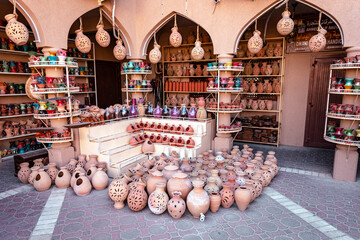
(255, 43)
(286, 25)
(155, 53)
(318, 41)
(102, 37)
(175, 37)
(16, 31)
(82, 42)
(197, 53)
(119, 50)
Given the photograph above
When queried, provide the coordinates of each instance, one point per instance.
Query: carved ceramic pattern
(82, 42)
(137, 199)
(175, 37)
(118, 190)
(17, 31)
(176, 207)
(119, 50)
(227, 198)
(102, 37)
(158, 202)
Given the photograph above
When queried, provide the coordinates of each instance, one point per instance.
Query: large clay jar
(118, 191)
(52, 171)
(215, 201)
(93, 159)
(158, 199)
(227, 196)
(137, 198)
(82, 160)
(100, 180)
(242, 198)
(82, 186)
(211, 186)
(63, 178)
(180, 183)
(198, 201)
(169, 171)
(91, 171)
(24, 172)
(75, 176)
(257, 185)
(34, 172)
(156, 177)
(71, 165)
(176, 206)
(42, 181)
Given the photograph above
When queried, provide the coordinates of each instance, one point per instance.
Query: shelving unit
(278, 96)
(135, 90)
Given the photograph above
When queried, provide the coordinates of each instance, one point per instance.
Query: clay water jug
(148, 147)
(91, 171)
(253, 87)
(82, 160)
(275, 68)
(248, 68)
(198, 70)
(185, 166)
(270, 50)
(211, 186)
(34, 172)
(198, 201)
(254, 105)
(262, 104)
(24, 172)
(268, 70)
(93, 159)
(137, 199)
(215, 201)
(180, 183)
(52, 171)
(278, 50)
(227, 196)
(118, 191)
(215, 175)
(242, 198)
(266, 175)
(63, 177)
(276, 85)
(245, 87)
(260, 87)
(158, 199)
(250, 186)
(268, 88)
(156, 177)
(263, 68)
(256, 69)
(176, 206)
(82, 186)
(71, 165)
(42, 181)
(250, 170)
(100, 179)
(169, 171)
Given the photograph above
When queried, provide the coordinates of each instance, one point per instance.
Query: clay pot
(202, 175)
(215, 201)
(118, 191)
(42, 181)
(169, 171)
(198, 201)
(38, 163)
(189, 130)
(190, 143)
(180, 183)
(250, 170)
(242, 198)
(215, 175)
(91, 171)
(250, 186)
(24, 172)
(211, 186)
(82, 160)
(75, 176)
(227, 196)
(148, 147)
(138, 197)
(257, 185)
(52, 171)
(63, 178)
(266, 175)
(102, 165)
(100, 180)
(93, 159)
(176, 206)
(185, 166)
(71, 166)
(158, 199)
(156, 177)
(34, 172)
(82, 186)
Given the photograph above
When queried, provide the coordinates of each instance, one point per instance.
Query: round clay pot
(34, 172)
(82, 160)
(176, 206)
(100, 179)
(52, 171)
(266, 175)
(169, 171)
(91, 171)
(211, 186)
(156, 177)
(137, 198)
(158, 199)
(227, 196)
(63, 177)
(24, 172)
(93, 159)
(242, 198)
(215, 175)
(215, 201)
(118, 191)
(202, 175)
(148, 147)
(71, 166)
(180, 183)
(198, 201)
(82, 186)
(75, 176)
(257, 185)
(102, 165)
(42, 181)
(250, 170)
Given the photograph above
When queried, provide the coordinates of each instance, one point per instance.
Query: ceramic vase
(197, 53)
(24, 172)
(156, 177)
(242, 198)
(158, 199)
(118, 191)
(175, 37)
(148, 147)
(82, 186)
(91, 171)
(102, 37)
(16, 31)
(255, 43)
(215, 201)
(318, 41)
(34, 172)
(100, 180)
(211, 186)
(82, 160)
(227, 196)
(137, 198)
(198, 201)
(119, 50)
(42, 181)
(93, 159)
(155, 54)
(286, 25)
(52, 171)
(71, 165)
(180, 183)
(176, 205)
(82, 42)
(63, 177)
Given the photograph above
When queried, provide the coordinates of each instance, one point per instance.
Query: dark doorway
(108, 83)
(317, 99)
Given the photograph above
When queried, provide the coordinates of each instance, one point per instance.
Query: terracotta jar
(34, 172)
(185, 166)
(38, 163)
(179, 182)
(71, 165)
(215, 175)
(266, 175)
(250, 170)
(256, 69)
(198, 201)
(257, 185)
(42, 181)
(242, 198)
(93, 159)
(250, 186)
(223, 175)
(169, 171)
(82, 160)
(211, 186)
(215, 201)
(156, 177)
(91, 171)
(176, 205)
(137, 199)
(100, 179)
(118, 191)
(75, 176)
(270, 168)
(158, 199)
(63, 177)
(82, 186)
(148, 146)
(24, 172)
(259, 173)
(232, 181)
(189, 130)
(202, 175)
(227, 196)
(80, 168)
(52, 171)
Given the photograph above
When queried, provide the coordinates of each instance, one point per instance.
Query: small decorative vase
(42, 181)
(215, 201)
(278, 50)
(52, 171)
(24, 172)
(63, 177)
(197, 53)
(158, 199)
(227, 196)
(118, 191)
(71, 166)
(82, 160)
(82, 186)
(242, 198)
(156, 177)
(211, 186)
(100, 179)
(176, 206)
(256, 69)
(198, 201)
(92, 160)
(155, 54)
(318, 41)
(137, 199)
(250, 186)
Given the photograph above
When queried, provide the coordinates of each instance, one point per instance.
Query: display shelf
(16, 116)
(54, 140)
(88, 92)
(18, 136)
(341, 66)
(145, 72)
(83, 59)
(229, 131)
(137, 89)
(225, 90)
(227, 69)
(15, 52)
(19, 154)
(345, 91)
(197, 146)
(52, 64)
(342, 141)
(190, 61)
(257, 58)
(253, 76)
(55, 90)
(344, 116)
(183, 92)
(13, 95)
(57, 115)
(187, 76)
(249, 141)
(120, 149)
(270, 111)
(16, 73)
(249, 93)
(82, 76)
(267, 128)
(163, 133)
(188, 44)
(222, 110)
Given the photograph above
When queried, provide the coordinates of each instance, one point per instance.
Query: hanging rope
(197, 33)
(81, 28)
(101, 18)
(155, 43)
(186, 6)
(175, 24)
(320, 27)
(119, 38)
(14, 11)
(255, 24)
(113, 22)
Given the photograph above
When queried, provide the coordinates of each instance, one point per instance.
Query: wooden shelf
(253, 76)
(345, 91)
(54, 140)
(84, 76)
(187, 76)
(16, 116)
(226, 69)
(224, 90)
(133, 72)
(251, 110)
(248, 141)
(18, 136)
(13, 95)
(249, 93)
(184, 92)
(342, 141)
(16, 73)
(57, 115)
(84, 92)
(238, 110)
(15, 52)
(135, 90)
(229, 131)
(190, 61)
(19, 154)
(188, 44)
(52, 64)
(269, 128)
(257, 58)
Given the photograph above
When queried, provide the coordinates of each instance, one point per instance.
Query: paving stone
(130, 234)
(231, 217)
(101, 223)
(191, 237)
(308, 235)
(75, 214)
(157, 229)
(73, 227)
(184, 225)
(290, 222)
(219, 235)
(102, 236)
(283, 238)
(274, 210)
(127, 220)
(252, 213)
(244, 231)
(268, 226)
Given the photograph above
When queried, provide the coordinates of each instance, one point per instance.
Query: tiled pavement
(271, 216)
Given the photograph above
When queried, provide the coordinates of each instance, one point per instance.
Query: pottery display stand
(346, 154)
(111, 141)
(61, 150)
(223, 137)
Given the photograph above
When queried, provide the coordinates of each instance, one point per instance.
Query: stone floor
(302, 202)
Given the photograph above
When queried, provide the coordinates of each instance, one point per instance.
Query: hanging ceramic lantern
(119, 50)
(255, 43)
(318, 42)
(286, 25)
(82, 42)
(16, 31)
(155, 54)
(197, 53)
(102, 37)
(175, 37)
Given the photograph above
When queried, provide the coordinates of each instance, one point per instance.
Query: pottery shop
(175, 101)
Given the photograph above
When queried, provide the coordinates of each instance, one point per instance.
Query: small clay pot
(34, 172)
(227, 196)
(52, 171)
(42, 181)
(118, 191)
(91, 171)
(63, 178)
(158, 199)
(137, 199)
(156, 177)
(176, 205)
(24, 172)
(215, 201)
(100, 179)
(82, 186)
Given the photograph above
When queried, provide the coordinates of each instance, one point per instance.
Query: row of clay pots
(165, 140)
(137, 127)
